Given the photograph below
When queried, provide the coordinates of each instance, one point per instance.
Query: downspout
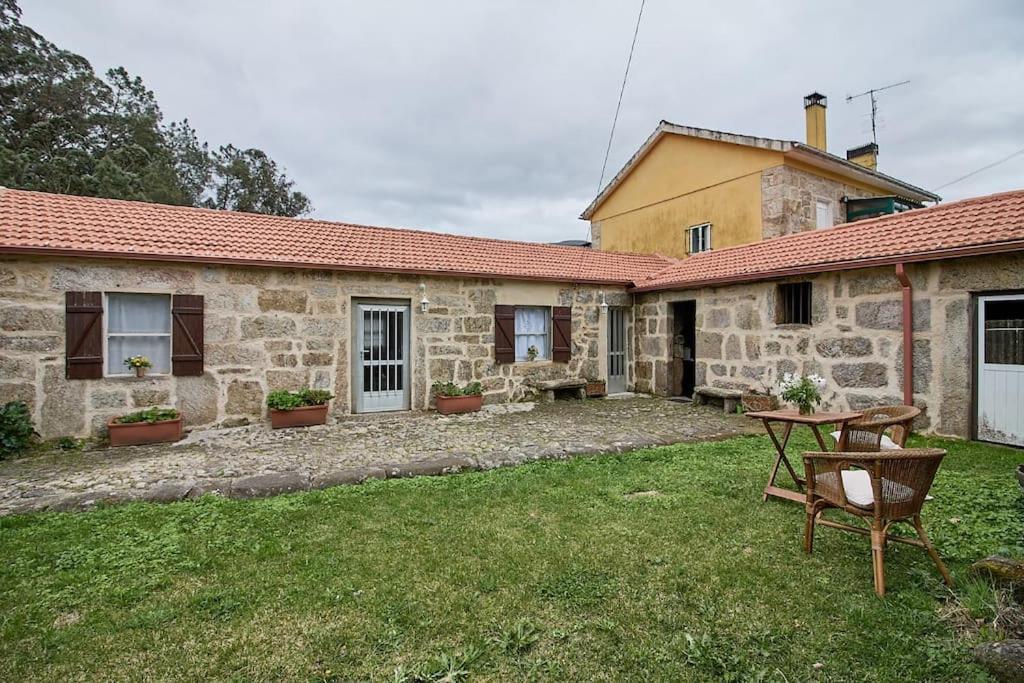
(908, 334)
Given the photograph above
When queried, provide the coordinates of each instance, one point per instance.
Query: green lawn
(545, 571)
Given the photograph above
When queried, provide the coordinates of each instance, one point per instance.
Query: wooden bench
(576, 386)
(729, 399)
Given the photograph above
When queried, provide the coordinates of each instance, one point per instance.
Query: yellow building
(691, 189)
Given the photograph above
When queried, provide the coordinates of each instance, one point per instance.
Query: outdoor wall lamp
(424, 301)
(604, 303)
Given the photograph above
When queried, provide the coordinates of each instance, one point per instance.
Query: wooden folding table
(790, 418)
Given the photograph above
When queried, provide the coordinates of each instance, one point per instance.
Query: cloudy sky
(492, 117)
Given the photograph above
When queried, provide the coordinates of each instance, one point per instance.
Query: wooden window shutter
(83, 327)
(504, 334)
(186, 334)
(561, 334)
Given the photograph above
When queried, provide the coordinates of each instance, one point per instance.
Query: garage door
(1001, 369)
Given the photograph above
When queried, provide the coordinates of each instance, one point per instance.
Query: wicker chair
(867, 434)
(893, 490)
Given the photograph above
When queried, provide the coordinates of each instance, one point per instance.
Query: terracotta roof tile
(979, 225)
(37, 222)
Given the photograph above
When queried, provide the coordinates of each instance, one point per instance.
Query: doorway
(683, 370)
(616, 350)
(1000, 363)
(381, 377)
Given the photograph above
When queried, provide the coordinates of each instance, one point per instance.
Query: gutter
(908, 334)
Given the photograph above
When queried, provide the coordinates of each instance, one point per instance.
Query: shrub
(149, 415)
(16, 432)
(289, 400)
(453, 389)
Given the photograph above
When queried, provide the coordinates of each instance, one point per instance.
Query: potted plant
(298, 408)
(532, 353)
(596, 387)
(139, 364)
(804, 391)
(152, 425)
(451, 398)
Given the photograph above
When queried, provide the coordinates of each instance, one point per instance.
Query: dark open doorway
(684, 341)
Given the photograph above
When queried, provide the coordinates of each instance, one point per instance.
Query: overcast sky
(491, 118)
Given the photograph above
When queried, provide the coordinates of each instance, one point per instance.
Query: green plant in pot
(301, 408)
(152, 425)
(140, 364)
(803, 391)
(450, 398)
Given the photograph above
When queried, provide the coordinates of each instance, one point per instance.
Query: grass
(547, 571)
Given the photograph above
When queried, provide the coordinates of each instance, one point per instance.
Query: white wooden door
(1000, 351)
(382, 353)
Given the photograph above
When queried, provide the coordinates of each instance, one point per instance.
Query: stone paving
(254, 460)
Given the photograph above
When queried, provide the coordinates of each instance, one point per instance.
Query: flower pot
(306, 416)
(449, 405)
(140, 372)
(136, 433)
(753, 403)
(597, 389)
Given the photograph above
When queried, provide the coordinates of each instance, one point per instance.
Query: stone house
(925, 306)
(688, 190)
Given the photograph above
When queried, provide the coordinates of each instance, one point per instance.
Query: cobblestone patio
(256, 461)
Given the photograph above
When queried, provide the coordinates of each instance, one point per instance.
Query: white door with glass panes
(616, 349)
(382, 357)
(1000, 350)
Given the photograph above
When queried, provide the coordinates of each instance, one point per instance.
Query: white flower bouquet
(804, 391)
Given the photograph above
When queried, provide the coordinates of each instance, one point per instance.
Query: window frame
(704, 239)
(548, 331)
(786, 309)
(107, 374)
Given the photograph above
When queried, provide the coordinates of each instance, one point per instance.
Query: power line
(983, 168)
(625, 76)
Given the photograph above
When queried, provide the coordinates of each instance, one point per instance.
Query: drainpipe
(908, 334)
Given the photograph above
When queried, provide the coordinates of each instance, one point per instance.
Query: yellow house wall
(682, 182)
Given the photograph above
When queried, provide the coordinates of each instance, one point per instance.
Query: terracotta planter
(597, 389)
(136, 433)
(448, 405)
(306, 416)
(140, 372)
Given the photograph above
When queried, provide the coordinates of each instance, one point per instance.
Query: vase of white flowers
(804, 391)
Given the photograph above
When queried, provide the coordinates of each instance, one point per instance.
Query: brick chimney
(814, 106)
(865, 155)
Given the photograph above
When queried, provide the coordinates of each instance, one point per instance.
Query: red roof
(41, 223)
(973, 226)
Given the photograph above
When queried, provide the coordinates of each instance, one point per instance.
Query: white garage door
(1001, 369)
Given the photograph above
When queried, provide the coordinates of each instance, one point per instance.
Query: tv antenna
(874, 104)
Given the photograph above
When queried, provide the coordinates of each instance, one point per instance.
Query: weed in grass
(578, 585)
(518, 638)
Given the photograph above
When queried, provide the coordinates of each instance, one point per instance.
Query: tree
(64, 129)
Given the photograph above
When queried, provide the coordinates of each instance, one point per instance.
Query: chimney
(865, 155)
(814, 106)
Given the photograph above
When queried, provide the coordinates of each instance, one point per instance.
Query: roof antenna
(874, 104)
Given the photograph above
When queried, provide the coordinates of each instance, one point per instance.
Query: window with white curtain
(533, 328)
(138, 325)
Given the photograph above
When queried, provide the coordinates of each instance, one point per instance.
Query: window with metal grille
(793, 304)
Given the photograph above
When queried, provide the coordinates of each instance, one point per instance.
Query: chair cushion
(857, 486)
(887, 443)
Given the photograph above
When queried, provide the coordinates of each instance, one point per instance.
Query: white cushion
(857, 485)
(887, 443)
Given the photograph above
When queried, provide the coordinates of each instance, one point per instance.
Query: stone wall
(269, 329)
(855, 340)
(789, 197)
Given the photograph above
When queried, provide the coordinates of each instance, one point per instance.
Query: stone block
(63, 400)
(16, 368)
(112, 398)
(478, 324)
(31, 319)
(284, 360)
(844, 347)
(18, 392)
(442, 370)
(752, 345)
(709, 345)
(717, 318)
(427, 325)
(860, 375)
(248, 276)
(245, 397)
(888, 314)
(197, 399)
(322, 327)
(277, 345)
(283, 300)
(263, 326)
(748, 317)
(48, 343)
(317, 359)
(292, 380)
(922, 365)
(732, 348)
(992, 272)
(219, 328)
(272, 484)
(444, 350)
(234, 354)
(145, 397)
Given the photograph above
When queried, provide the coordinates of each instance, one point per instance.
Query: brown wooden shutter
(504, 334)
(83, 328)
(561, 334)
(186, 334)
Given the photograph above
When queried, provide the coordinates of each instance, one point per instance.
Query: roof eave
(821, 159)
(938, 255)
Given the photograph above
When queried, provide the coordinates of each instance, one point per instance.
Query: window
(1004, 332)
(793, 304)
(823, 213)
(699, 238)
(533, 328)
(138, 325)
